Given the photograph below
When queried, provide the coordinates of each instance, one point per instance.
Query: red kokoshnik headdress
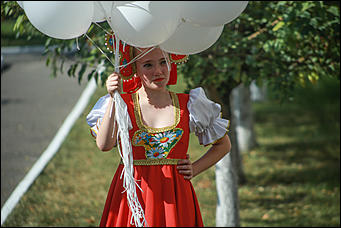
(131, 82)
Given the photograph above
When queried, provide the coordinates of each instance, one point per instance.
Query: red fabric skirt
(167, 199)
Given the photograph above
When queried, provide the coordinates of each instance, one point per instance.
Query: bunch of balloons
(179, 27)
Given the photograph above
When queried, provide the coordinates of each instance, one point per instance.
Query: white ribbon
(126, 152)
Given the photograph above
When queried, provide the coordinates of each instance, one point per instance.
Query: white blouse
(95, 116)
(204, 117)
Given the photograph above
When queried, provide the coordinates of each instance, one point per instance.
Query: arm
(205, 121)
(105, 140)
(211, 157)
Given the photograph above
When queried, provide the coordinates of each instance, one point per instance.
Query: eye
(147, 65)
(163, 62)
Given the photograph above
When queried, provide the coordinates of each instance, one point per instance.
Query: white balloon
(191, 39)
(212, 13)
(60, 19)
(102, 9)
(20, 4)
(144, 23)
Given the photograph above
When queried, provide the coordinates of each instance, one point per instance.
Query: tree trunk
(227, 211)
(227, 111)
(257, 93)
(243, 117)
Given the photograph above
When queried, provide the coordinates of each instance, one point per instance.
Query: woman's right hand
(113, 83)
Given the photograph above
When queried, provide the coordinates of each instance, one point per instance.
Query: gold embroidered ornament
(131, 82)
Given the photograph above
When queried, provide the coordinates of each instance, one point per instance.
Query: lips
(158, 79)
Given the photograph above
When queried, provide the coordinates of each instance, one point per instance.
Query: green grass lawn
(293, 175)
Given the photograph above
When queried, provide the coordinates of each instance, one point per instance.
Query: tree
(81, 52)
(285, 44)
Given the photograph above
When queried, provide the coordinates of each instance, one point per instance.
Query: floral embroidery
(157, 145)
(154, 153)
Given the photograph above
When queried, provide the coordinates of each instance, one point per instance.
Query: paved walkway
(33, 107)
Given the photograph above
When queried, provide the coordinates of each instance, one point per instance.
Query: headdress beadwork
(131, 82)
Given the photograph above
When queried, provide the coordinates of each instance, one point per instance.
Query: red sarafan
(167, 198)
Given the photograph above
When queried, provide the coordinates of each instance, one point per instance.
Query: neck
(158, 98)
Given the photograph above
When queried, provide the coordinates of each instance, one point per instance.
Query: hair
(134, 53)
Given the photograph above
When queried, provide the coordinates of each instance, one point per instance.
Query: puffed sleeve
(95, 116)
(205, 118)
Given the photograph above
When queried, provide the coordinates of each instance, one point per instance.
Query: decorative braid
(160, 161)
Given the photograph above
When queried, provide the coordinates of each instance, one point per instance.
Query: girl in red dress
(161, 123)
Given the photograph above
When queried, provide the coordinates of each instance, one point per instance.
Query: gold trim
(138, 116)
(93, 131)
(178, 61)
(160, 161)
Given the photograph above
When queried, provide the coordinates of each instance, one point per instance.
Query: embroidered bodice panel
(166, 142)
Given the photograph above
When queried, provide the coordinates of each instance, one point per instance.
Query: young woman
(161, 123)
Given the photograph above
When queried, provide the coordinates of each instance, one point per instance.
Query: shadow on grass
(298, 162)
(294, 174)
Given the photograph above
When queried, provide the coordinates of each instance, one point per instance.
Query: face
(152, 69)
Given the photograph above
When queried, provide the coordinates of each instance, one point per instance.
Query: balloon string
(99, 49)
(124, 43)
(101, 27)
(117, 70)
(117, 55)
(164, 55)
(77, 44)
(143, 53)
(138, 56)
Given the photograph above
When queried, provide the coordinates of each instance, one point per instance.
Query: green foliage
(58, 51)
(285, 44)
(11, 38)
(12, 14)
(324, 101)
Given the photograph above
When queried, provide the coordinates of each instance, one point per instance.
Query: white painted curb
(50, 151)
(14, 50)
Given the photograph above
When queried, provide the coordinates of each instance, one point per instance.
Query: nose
(158, 69)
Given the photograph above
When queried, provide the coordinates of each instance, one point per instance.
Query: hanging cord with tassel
(123, 124)
(126, 154)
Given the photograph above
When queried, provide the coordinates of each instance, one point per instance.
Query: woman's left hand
(185, 168)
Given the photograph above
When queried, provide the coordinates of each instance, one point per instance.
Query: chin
(158, 86)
